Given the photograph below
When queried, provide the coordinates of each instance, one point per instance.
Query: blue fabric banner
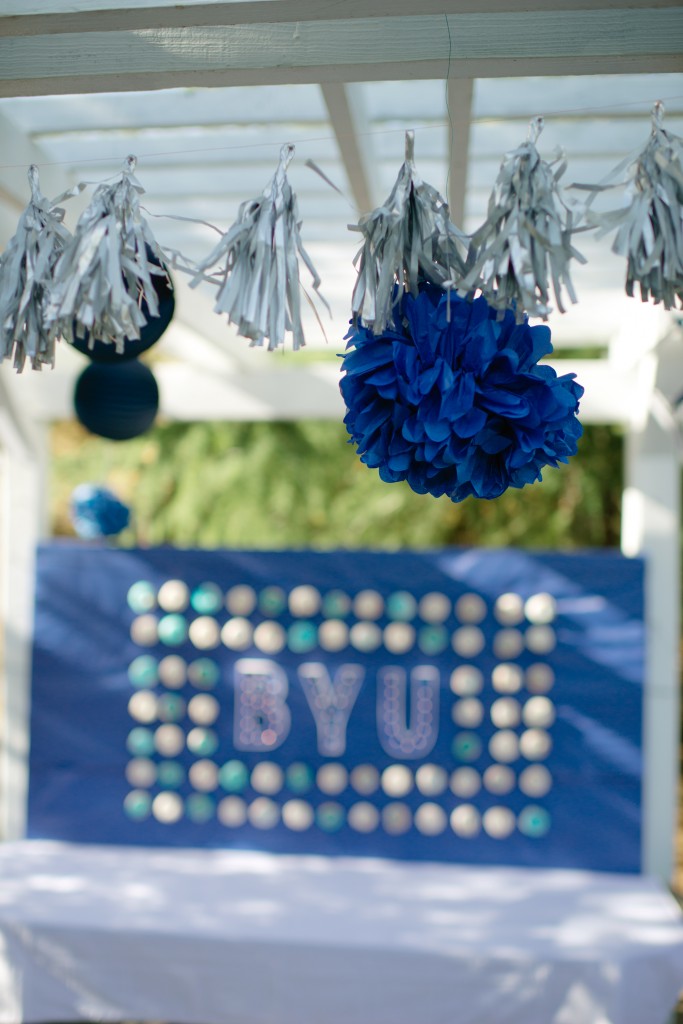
(461, 705)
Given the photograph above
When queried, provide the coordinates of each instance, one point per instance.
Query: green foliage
(277, 485)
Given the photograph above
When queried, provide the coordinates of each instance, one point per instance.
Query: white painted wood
(640, 333)
(265, 389)
(495, 67)
(351, 130)
(650, 528)
(480, 46)
(55, 16)
(22, 453)
(204, 392)
(459, 108)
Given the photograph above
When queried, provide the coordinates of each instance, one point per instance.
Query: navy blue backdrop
(461, 705)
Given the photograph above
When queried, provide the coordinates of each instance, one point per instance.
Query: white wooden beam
(651, 510)
(261, 390)
(43, 17)
(476, 45)
(459, 92)
(197, 392)
(349, 124)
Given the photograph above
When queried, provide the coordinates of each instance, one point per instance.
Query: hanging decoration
(117, 400)
(259, 282)
(105, 352)
(26, 273)
(524, 246)
(407, 240)
(452, 399)
(96, 512)
(650, 222)
(105, 274)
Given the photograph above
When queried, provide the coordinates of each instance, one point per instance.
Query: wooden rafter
(344, 105)
(459, 124)
(123, 54)
(47, 17)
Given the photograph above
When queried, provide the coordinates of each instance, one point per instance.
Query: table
(234, 937)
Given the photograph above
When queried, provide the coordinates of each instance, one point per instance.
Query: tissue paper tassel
(259, 282)
(26, 271)
(650, 224)
(407, 240)
(525, 242)
(104, 273)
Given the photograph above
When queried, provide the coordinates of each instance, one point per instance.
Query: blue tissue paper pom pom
(96, 512)
(454, 402)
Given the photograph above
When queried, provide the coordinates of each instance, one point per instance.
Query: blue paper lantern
(117, 400)
(451, 398)
(97, 512)
(105, 352)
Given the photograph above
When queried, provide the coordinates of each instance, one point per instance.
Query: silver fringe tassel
(409, 239)
(524, 244)
(650, 223)
(259, 281)
(104, 273)
(26, 272)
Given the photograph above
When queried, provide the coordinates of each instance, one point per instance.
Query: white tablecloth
(220, 937)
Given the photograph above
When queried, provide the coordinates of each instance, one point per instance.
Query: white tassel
(105, 273)
(259, 281)
(524, 245)
(408, 240)
(650, 223)
(26, 272)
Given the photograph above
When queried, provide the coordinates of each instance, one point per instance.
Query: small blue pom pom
(96, 512)
(451, 399)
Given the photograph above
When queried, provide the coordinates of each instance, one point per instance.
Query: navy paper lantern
(97, 512)
(105, 352)
(117, 400)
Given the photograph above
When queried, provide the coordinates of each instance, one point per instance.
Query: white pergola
(206, 92)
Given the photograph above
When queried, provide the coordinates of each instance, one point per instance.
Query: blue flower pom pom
(96, 512)
(454, 401)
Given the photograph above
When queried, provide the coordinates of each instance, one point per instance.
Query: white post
(22, 522)
(650, 527)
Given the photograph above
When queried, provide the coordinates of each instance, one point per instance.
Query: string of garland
(98, 283)
(649, 224)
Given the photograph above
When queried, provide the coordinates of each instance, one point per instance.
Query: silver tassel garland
(524, 245)
(104, 274)
(409, 239)
(26, 272)
(650, 223)
(259, 280)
